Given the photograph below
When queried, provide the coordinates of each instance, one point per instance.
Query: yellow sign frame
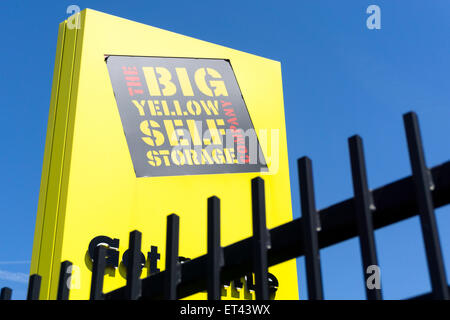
(88, 185)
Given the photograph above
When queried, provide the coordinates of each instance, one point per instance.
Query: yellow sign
(197, 124)
(143, 123)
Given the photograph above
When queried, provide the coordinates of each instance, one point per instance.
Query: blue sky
(339, 78)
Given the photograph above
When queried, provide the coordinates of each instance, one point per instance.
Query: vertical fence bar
(261, 241)
(422, 183)
(64, 276)
(363, 214)
(310, 227)
(6, 293)
(214, 263)
(98, 272)
(34, 287)
(172, 272)
(133, 287)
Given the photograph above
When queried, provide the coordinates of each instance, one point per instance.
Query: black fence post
(6, 293)
(172, 272)
(422, 183)
(215, 256)
(133, 287)
(63, 284)
(261, 241)
(34, 287)
(98, 272)
(310, 228)
(363, 212)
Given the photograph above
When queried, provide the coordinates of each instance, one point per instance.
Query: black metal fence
(418, 194)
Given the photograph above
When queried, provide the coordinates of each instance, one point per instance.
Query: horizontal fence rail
(419, 194)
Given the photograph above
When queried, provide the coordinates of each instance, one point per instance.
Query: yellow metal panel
(92, 187)
(48, 148)
(49, 202)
